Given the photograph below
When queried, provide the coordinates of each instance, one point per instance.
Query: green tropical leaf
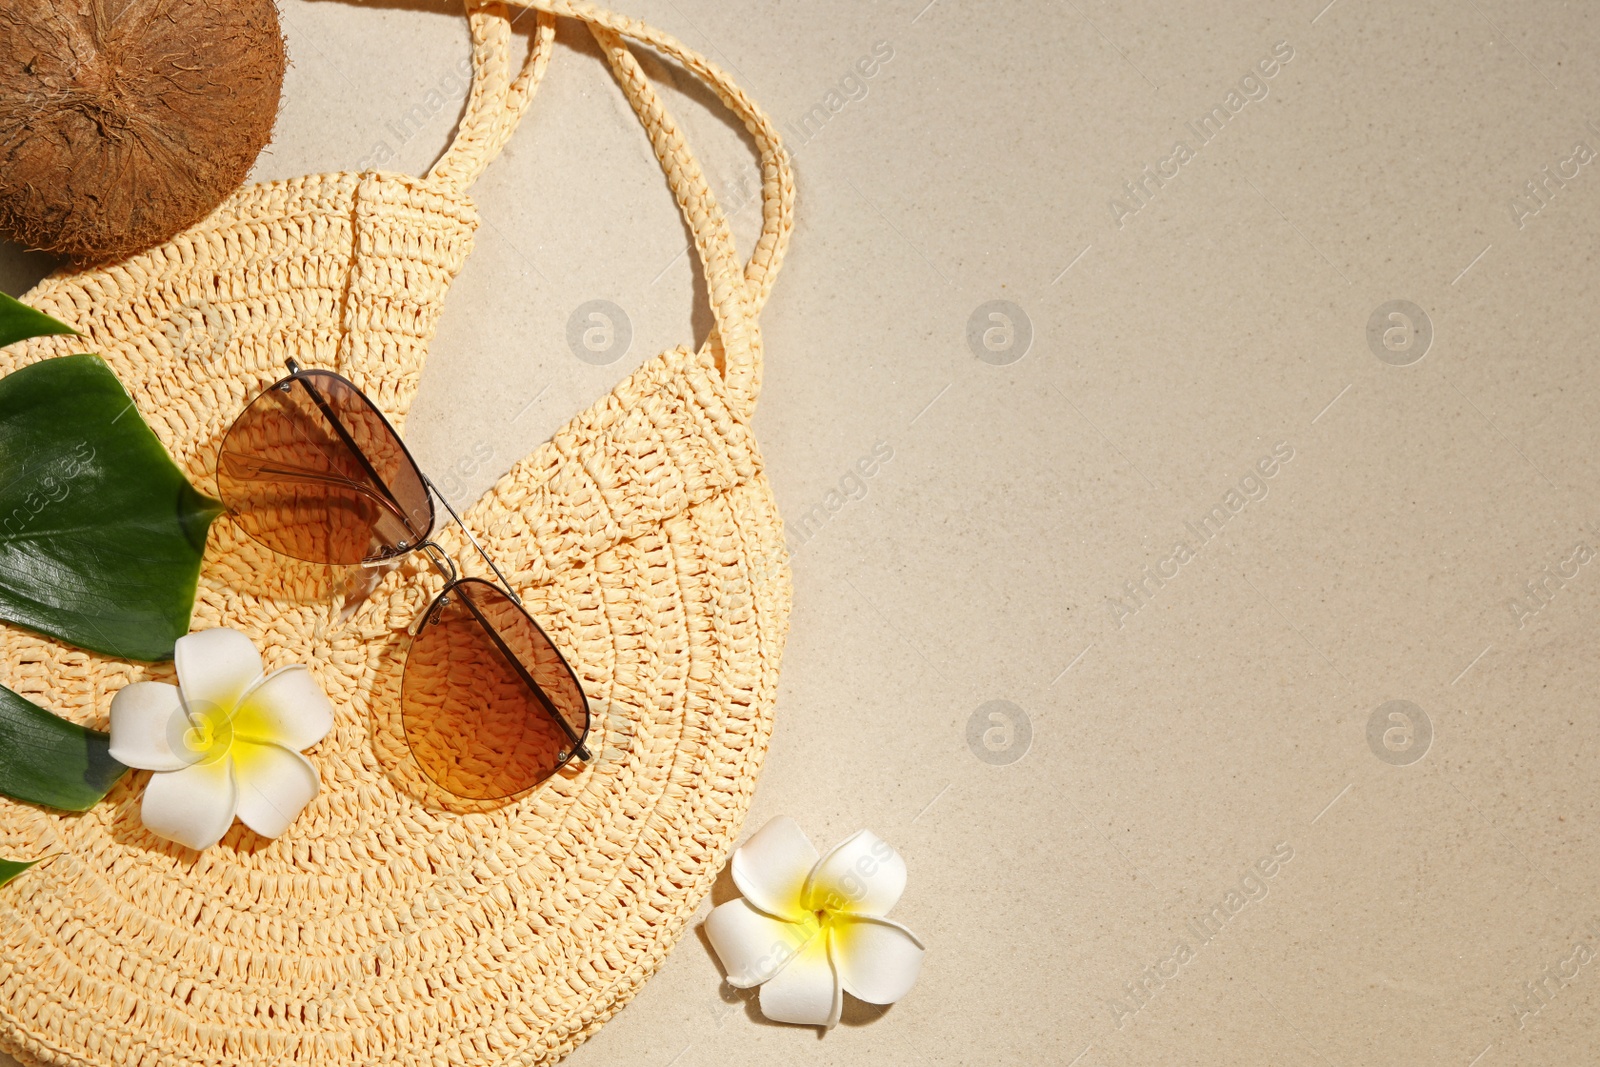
(18, 322)
(9, 869)
(100, 533)
(44, 759)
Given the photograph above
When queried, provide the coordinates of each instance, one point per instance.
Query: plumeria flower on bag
(224, 742)
(809, 930)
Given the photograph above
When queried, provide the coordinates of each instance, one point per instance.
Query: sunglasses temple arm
(578, 748)
(512, 593)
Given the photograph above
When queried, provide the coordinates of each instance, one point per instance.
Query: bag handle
(737, 294)
(496, 103)
(777, 176)
(735, 340)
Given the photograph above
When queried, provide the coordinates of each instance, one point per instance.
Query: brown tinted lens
(474, 723)
(313, 470)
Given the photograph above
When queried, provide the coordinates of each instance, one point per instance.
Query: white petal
(193, 806)
(752, 945)
(877, 960)
(215, 668)
(806, 991)
(863, 875)
(286, 708)
(147, 727)
(275, 785)
(770, 869)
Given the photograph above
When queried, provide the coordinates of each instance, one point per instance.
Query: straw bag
(391, 924)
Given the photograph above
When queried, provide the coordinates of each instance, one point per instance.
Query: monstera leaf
(100, 533)
(18, 322)
(44, 759)
(9, 869)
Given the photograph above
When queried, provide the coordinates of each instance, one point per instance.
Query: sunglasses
(312, 470)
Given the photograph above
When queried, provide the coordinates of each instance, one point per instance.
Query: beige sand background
(1157, 352)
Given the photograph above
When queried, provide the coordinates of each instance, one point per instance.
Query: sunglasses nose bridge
(441, 562)
(467, 531)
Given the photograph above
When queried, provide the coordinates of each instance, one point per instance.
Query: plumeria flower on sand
(809, 930)
(225, 741)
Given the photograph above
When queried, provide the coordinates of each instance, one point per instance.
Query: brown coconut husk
(123, 122)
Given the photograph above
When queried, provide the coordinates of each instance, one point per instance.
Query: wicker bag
(392, 924)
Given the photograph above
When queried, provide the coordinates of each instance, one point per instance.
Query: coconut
(124, 121)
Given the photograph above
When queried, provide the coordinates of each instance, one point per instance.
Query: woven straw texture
(391, 924)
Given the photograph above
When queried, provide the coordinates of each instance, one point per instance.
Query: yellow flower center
(210, 733)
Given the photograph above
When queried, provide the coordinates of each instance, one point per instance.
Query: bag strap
(735, 340)
(496, 102)
(737, 294)
(777, 184)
